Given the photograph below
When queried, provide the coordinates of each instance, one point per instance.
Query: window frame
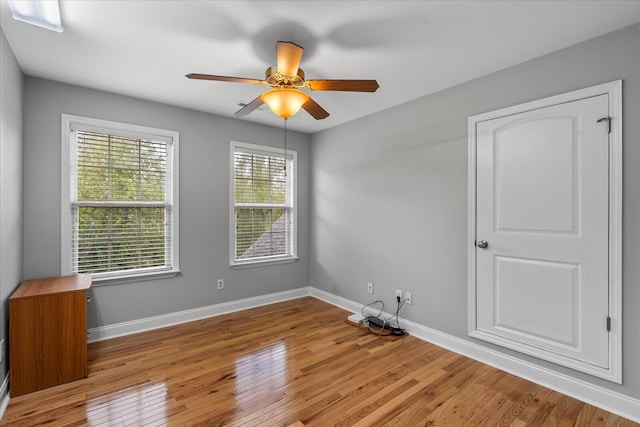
(292, 159)
(69, 123)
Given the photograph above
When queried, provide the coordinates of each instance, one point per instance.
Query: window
(263, 204)
(119, 200)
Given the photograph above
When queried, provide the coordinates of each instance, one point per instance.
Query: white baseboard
(4, 393)
(162, 321)
(601, 397)
(336, 300)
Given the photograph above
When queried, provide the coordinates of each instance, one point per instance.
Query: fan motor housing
(274, 78)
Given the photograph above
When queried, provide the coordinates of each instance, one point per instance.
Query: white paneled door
(542, 250)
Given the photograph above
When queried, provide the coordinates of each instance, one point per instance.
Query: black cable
(378, 332)
(397, 331)
(377, 316)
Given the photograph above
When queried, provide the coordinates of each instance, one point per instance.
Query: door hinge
(605, 119)
(608, 324)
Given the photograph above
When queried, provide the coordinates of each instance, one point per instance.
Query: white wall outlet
(220, 283)
(1, 350)
(370, 287)
(408, 297)
(398, 294)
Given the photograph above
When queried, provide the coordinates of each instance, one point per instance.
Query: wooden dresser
(48, 332)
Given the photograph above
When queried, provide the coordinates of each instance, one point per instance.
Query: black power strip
(381, 324)
(373, 320)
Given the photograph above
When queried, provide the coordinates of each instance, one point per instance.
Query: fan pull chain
(285, 147)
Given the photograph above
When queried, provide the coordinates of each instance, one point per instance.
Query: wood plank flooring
(298, 363)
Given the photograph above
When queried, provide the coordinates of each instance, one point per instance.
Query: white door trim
(614, 91)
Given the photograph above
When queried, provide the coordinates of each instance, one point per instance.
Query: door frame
(614, 91)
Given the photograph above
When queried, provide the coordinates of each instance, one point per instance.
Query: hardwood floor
(297, 363)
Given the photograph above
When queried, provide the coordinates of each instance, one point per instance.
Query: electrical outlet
(407, 297)
(370, 287)
(398, 294)
(1, 350)
(220, 283)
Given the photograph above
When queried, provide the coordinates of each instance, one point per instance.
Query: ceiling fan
(286, 78)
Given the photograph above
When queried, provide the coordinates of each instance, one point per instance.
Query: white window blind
(121, 201)
(264, 212)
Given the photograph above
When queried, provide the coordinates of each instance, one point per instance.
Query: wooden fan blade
(343, 85)
(288, 58)
(313, 108)
(224, 78)
(250, 107)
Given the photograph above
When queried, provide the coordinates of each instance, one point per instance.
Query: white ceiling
(412, 48)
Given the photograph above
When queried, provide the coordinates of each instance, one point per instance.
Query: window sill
(263, 262)
(114, 280)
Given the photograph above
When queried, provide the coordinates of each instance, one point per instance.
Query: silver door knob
(483, 244)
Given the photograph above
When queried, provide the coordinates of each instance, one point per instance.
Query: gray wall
(389, 192)
(11, 93)
(204, 202)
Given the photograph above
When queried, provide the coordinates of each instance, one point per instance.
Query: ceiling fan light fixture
(286, 77)
(285, 102)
